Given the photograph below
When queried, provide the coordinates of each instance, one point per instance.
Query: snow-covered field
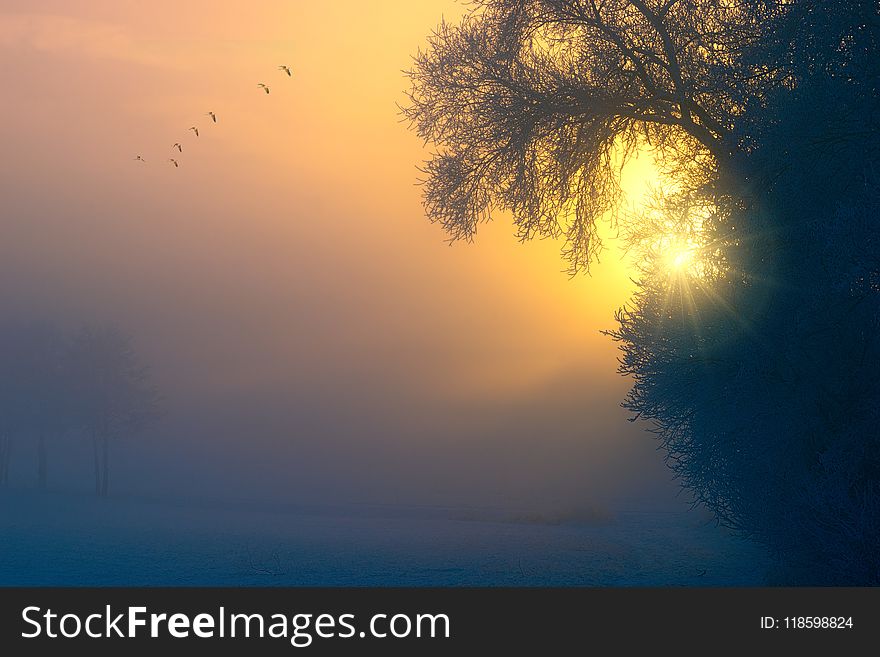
(55, 539)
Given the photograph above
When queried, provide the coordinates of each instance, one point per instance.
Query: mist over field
(311, 337)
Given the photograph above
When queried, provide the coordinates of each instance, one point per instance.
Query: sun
(680, 257)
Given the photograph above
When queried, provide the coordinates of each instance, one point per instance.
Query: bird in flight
(174, 162)
(195, 130)
(265, 88)
(178, 147)
(138, 158)
(213, 116)
(286, 69)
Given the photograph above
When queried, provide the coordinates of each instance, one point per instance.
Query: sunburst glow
(678, 256)
(680, 259)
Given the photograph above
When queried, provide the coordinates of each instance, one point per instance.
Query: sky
(314, 337)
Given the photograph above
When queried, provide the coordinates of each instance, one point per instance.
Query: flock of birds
(213, 116)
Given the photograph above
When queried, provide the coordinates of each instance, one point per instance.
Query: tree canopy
(533, 105)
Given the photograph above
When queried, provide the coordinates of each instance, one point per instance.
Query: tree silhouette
(12, 401)
(34, 403)
(44, 350)
(113, 394)
(758, 370)
(51, 384)
(528, 102)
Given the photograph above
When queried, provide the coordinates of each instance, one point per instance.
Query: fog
(313, 337)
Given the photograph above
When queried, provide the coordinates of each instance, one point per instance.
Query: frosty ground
(55, 539)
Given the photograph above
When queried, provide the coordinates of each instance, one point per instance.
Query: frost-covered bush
(763, 380)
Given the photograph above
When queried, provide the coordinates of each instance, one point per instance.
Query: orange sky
(290, 245)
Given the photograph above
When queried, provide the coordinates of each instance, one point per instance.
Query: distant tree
(759, 371)
(33, 390)
(12, 403)
(43, 387)
(113, 394)
(5, 456)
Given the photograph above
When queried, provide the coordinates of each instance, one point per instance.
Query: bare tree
(114, 396)
(11, 399)
(534, 105)
(44, 390)
(34, 401)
